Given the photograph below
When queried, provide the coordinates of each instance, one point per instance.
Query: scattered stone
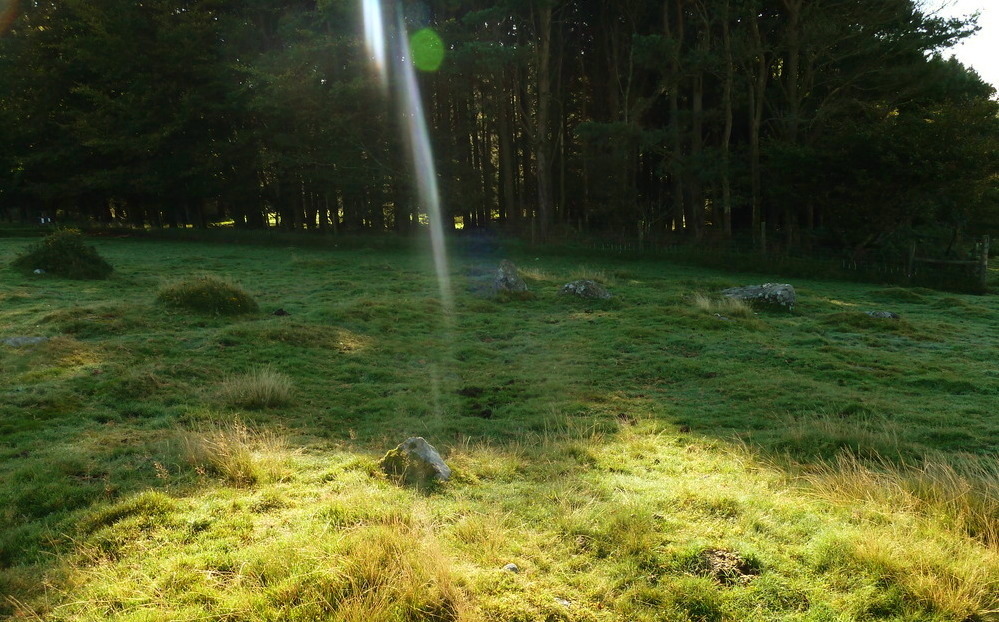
(511, 568)
(563, 602)
(416, 462)
(39, 271)
(722, 317)
(780, 295)
(884, 315)
(507, 279)
(281, 312)
(18, 342)
(585, 288)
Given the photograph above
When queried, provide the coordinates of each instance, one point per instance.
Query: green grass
(638, 458)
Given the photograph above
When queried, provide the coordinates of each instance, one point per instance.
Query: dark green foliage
(891, 139)
(64, 253)
(208, 294)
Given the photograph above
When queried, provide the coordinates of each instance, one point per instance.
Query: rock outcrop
(585, 288)
(775, 295)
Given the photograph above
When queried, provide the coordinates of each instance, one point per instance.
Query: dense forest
(837, 120)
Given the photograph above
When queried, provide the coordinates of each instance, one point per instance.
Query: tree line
(836, 120)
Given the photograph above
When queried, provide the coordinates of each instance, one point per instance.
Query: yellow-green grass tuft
(261, 388)
(962, 498)
(728, 307)
(240, 454)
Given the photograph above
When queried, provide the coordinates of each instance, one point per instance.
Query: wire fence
(888, 267)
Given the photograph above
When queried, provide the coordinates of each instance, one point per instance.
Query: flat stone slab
(585, 288)
(883, 315)
(780, 295)
(18, 342)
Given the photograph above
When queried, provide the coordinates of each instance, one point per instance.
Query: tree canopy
(837, 119)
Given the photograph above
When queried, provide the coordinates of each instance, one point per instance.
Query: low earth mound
(208, 294)
(64, 254)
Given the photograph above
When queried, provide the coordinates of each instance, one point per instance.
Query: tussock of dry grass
(964, 499)
(242, 455)
(534, 273)
(946, 577)
(729, 307)
(261, 388)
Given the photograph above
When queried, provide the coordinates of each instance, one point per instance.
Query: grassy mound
(64, 254)
(208, 294)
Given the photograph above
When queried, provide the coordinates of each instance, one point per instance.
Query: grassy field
(637, 459)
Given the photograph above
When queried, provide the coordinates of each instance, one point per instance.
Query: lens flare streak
(374, 37)
(407, 92)
(423, 162)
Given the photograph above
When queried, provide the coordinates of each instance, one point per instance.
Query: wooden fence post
(910, 264)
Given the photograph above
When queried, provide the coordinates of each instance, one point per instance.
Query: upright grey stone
(507, 279)
(416, 462)
(585, 288)
(779, 295)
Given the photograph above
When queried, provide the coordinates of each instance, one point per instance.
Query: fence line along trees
(635, 118)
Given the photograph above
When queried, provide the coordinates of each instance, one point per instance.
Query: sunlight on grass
(637, 462)
(242, 455)
(964, 499)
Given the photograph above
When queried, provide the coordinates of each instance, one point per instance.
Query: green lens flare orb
(427, 49)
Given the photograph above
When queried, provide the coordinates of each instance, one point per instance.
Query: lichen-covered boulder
(507, 279)
(585, 288)
(778, 295)
(416, 462)
(883, 315)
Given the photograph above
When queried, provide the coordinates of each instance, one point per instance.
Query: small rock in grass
(563, 602)
(416, 462)
(884, 315)
(511, 568)
(781, 295)
(585, 288)
(508, 279)
(39, 271)
(18, 342)
(281, 312)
